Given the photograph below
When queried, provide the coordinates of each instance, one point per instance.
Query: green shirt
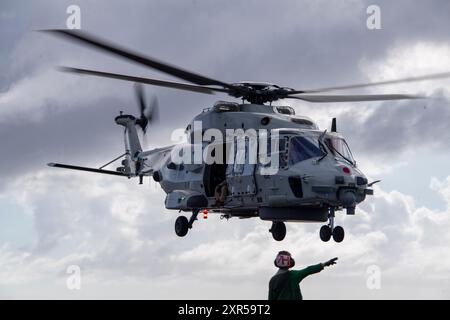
(285, 285)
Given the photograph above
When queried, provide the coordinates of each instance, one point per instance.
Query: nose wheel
(328, 231)
(278, 230)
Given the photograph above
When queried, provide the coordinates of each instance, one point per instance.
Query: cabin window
(302, 148)
(286, 110)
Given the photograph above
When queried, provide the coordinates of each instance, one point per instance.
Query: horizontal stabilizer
(67, 166)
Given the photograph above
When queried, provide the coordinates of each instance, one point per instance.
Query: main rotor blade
(155, 82)
(352, 98)
(114, 49)
(373, 84)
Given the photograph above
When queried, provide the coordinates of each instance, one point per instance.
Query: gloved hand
(330, 262)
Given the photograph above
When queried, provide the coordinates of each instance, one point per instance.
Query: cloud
(120, 233)
(381, 133)
(391, 130)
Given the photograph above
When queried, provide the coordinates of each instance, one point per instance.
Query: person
(285, 284)
(220, 193)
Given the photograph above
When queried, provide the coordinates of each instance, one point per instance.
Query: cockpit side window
(303, 148)
(339, 148)
(281, 153)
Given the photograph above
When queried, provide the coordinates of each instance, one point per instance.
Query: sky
(118, 232)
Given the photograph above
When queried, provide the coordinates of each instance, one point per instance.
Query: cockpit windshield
(304, 147)
(339, 148)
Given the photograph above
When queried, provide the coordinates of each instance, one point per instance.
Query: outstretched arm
(301, 274)
(330, 262)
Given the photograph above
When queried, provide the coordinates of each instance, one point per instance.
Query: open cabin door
(214, 173)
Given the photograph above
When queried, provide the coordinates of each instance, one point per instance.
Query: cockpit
(314, 145)
(302, 148)
(339, 148)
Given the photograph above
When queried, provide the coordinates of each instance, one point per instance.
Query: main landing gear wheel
(278, 230)
(325, 233)
(329, 230)
(181, 226)
(338, 234)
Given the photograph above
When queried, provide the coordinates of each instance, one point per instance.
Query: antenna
(333, 125)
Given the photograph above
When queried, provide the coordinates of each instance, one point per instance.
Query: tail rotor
(149, 113)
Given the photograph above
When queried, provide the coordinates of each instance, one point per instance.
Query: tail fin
(132, 145)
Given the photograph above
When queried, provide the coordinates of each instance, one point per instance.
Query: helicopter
(311, 174)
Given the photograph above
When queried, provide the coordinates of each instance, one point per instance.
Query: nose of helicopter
(347, 197)
(350, 183)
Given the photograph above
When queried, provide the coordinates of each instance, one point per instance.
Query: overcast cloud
(119, 232)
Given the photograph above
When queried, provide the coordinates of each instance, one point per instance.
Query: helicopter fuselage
(311, 175)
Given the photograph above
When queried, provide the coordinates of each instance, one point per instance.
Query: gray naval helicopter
(316, 173)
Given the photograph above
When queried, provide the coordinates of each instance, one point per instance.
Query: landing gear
(278, 230)
(338, 234)
(182, 224)
(325, 233)
(330, 230)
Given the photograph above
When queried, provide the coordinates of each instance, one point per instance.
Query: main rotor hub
(258, 92)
